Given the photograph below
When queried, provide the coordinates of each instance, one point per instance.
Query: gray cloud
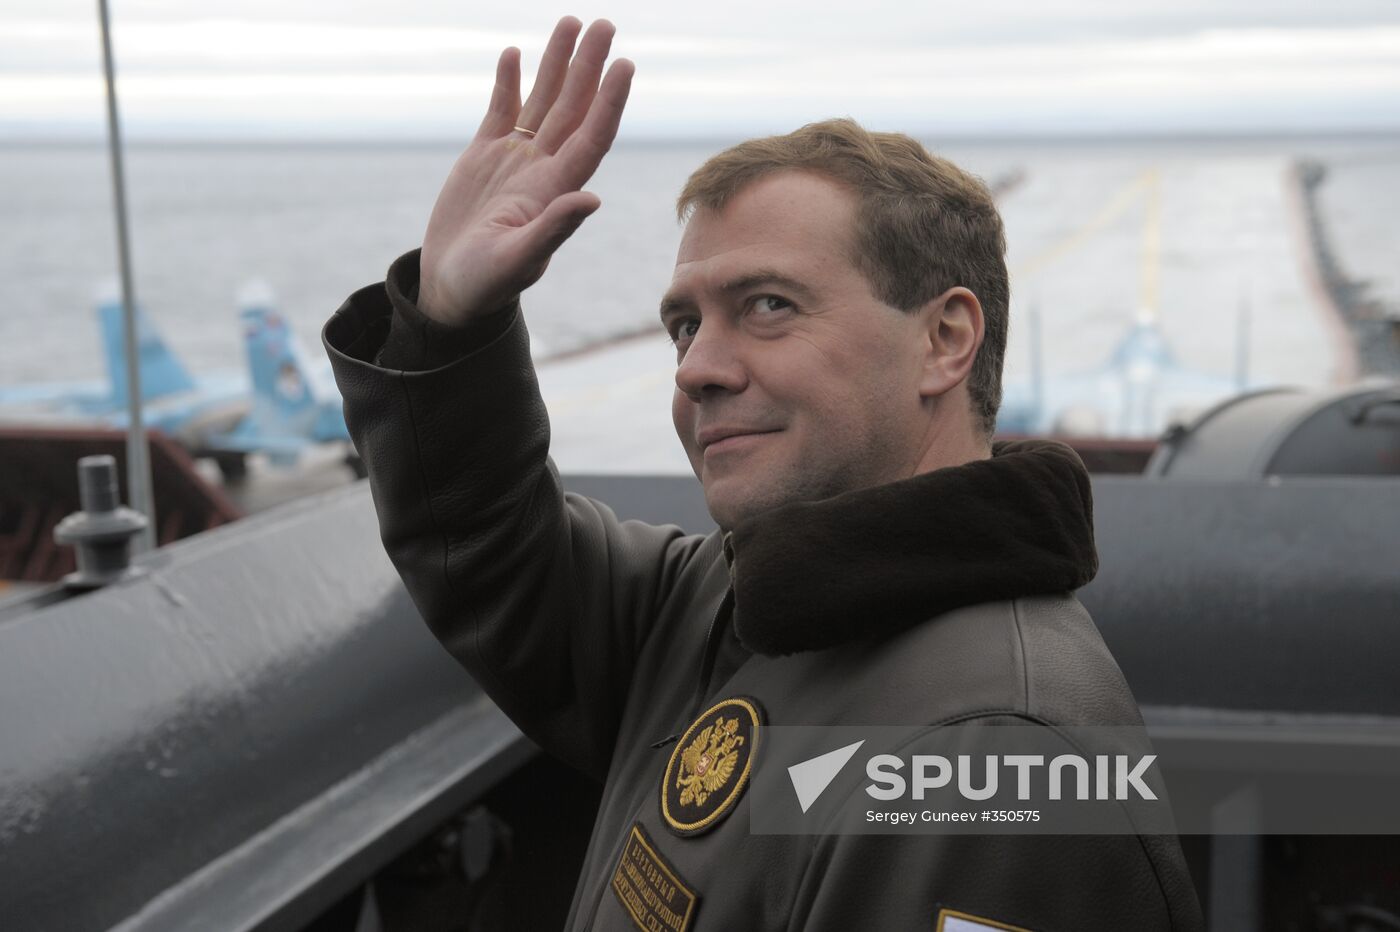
(305, 67)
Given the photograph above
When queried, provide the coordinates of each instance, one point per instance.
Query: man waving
(839, 313)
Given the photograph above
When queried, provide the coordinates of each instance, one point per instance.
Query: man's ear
(954, 329)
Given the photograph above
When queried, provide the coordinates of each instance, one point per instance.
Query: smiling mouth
(735, 442)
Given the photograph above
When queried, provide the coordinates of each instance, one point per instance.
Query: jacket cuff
(416, 343)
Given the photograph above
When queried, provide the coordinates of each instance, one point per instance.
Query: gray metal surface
(155, 729)
(1278, 594)
(1353, 431)
(283, 876)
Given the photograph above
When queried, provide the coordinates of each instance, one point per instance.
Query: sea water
(1087, 248)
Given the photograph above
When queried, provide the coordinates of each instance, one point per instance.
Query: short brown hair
(923, 225)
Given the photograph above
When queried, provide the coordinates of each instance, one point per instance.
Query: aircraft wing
(56, 396)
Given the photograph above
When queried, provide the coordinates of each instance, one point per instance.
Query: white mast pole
(138, 464)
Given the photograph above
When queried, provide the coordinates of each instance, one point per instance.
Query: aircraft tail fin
(277, 367)
(288, 410)
(161, 371)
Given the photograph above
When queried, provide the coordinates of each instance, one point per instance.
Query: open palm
(511, 200)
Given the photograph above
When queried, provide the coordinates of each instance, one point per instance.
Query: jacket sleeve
(545, 596)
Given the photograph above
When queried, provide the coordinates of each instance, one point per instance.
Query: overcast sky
(424, 67)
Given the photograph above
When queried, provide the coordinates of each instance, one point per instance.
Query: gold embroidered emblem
(709, 767)
(708, 763)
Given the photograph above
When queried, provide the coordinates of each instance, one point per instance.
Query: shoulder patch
(709, 767)
(649, 889)
(950, 920)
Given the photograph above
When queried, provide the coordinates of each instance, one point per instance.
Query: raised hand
(512, 199)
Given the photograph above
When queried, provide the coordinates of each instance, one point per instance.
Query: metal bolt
(102, 531)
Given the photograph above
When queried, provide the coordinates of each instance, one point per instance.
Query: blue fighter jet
(1138, 392)
(280, 406)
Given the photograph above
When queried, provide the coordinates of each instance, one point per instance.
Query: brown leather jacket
(943, 597)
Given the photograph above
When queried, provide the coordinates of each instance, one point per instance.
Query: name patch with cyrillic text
(649, 889)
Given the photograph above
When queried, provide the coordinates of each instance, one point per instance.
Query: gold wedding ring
(527, 132)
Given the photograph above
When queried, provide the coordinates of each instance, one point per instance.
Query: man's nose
(711, 363)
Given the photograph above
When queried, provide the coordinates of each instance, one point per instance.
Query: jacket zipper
(707, 665)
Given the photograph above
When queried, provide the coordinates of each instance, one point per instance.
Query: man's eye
(684, 330)
(771, 302)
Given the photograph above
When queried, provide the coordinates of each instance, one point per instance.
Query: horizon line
(149, 137)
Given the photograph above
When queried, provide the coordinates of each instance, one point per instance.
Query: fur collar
(869, 563)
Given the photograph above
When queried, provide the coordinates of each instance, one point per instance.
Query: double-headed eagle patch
(710, 766)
